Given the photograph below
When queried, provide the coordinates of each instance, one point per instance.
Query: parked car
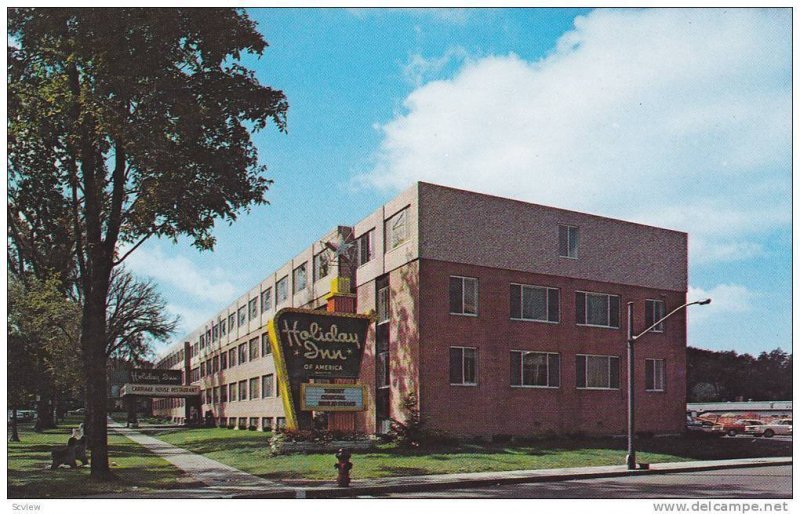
(779, 427)
(698, 425)
(734, 427)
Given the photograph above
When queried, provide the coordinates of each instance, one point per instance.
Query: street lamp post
(630, 459)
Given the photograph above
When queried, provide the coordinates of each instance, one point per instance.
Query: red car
(735, 426)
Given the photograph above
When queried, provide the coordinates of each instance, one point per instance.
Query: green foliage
(144, 111)
(43, 330)
(726, 375)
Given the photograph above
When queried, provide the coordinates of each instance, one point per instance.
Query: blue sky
(676, 118)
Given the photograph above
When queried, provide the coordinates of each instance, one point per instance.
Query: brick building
(504, 317)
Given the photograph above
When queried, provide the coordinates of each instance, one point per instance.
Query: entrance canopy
(172, 391)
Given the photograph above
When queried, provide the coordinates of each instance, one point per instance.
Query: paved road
(764, 482)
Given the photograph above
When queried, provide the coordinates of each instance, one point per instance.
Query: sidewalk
(223, 481)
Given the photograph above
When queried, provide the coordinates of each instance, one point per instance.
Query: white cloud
(455, 16)
(190, 317)
(678, 118)
(726, 299)
(419, 69)
(183, 275)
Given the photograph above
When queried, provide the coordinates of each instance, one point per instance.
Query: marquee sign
(332, 397)
(156, 376)
(308, 344)
(175, 391)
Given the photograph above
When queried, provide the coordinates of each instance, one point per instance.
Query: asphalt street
(763, 482)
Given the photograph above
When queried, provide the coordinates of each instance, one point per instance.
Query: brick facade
(499, 242)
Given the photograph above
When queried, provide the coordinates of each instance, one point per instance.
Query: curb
(337, 492)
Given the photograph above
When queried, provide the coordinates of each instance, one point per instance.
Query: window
(223, 361)
(396, 232)
(535, 369)
(231, 323)
(266, 349)
(232, 357)
(253, 308)
(299, 281)
(364, 248)
(596, 372)
(222, 327)
(534, 303)
(654, 374)
(463, 365)
(202, 341)
(267, 386)
(568, 241)
(383, 305)
(242, 390)
(254, 349)
(242, 423)
(464, 295)
(215, 332)
(215, 393)
(195, 374)
(266, 424)
(654, 310)
(242, 315)
(202, 369)
(280, 422)
(382, 370)
(208, 337)
(597, 309)
(282, 290)
(321, 265)
(232, 391)
(215, 364)
(266, 300)
(242, 353)
(254, 389)
(223, 394)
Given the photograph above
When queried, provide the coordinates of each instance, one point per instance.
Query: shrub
(412, 433)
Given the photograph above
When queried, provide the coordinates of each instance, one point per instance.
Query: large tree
(141, 118)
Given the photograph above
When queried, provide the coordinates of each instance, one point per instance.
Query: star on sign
(296, 352)
(340, 248)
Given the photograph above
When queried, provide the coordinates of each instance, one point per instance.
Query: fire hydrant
(344, 466)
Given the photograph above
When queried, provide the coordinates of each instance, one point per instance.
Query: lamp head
(704, 302)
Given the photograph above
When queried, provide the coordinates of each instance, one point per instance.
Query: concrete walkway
(221, 480)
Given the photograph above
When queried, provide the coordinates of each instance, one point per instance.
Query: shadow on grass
(696, 448)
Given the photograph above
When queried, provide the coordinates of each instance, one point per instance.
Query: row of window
(541, 303)
(242, 354)
(169, 403)
(396, 234)
(543, 369)
(245, 422)
(255, 388)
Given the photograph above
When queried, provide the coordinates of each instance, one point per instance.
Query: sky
(670, 117)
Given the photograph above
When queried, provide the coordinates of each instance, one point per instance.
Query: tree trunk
(94, 356)
(44, 408)
(14, 432)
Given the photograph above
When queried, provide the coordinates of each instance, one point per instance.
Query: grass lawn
(249, 451)
(29, 474)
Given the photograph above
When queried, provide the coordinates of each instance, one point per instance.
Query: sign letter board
(309, 344)
(156, 376)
